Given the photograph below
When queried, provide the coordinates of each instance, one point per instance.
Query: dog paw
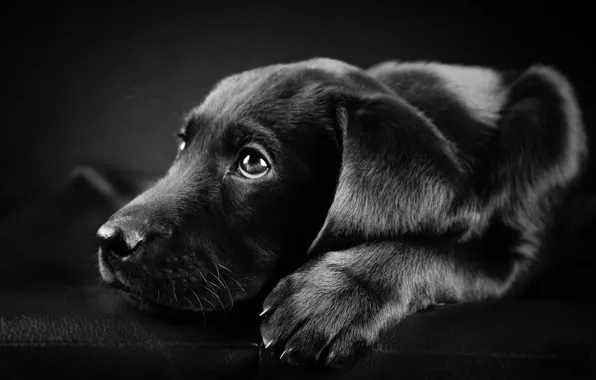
(320, 315)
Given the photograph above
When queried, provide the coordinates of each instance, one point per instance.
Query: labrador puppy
(349, 199)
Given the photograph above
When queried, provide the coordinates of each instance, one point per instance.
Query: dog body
(352, 198)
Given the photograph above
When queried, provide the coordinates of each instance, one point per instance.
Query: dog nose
(119, 239)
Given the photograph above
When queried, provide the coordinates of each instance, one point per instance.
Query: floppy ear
(512, 127)
(401, 175)
(398, 172)
(541, 142)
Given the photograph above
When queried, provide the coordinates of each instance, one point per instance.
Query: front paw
(322, 314)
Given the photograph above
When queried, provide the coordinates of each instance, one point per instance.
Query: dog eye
(253, 165)
(181, 141)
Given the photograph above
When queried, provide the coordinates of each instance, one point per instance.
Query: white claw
(264, 311)
(267, 343)
(283, 353)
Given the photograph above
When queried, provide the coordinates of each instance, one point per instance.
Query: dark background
(111, 82)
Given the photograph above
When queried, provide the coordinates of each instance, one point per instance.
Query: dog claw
(264, 311)
(329, 360)
(267, 343)
(283, 353)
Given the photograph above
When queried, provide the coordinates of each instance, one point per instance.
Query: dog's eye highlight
(181, 136)
(253, 165)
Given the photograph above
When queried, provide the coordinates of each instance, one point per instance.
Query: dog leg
(340, 302)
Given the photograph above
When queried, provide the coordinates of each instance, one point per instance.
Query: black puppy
(376, 193)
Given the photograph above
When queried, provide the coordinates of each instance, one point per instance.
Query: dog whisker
(225, 286)
(223, 282)
(219, 280)
(204, 299)
(220, 301)
(209, 287)
(194, 306)
(200, 304)
(225, 268)
(230, 294)
(230, 275)
(217, 270)
(209, 283)
(216, 285)
(239, 285)
(173, 288)
(202, 276)
(209, 302)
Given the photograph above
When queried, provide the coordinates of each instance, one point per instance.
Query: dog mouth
(114, 279)
(148, 305)
(196, 290)
(145, 302)
(106, 270)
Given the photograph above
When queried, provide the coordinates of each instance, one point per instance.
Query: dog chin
(135, 300)
(153, 307)
(148, 302)
(136, 297)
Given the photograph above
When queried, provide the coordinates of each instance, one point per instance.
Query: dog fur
(390, 189)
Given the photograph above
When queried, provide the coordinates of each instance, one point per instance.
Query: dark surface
(90, 332)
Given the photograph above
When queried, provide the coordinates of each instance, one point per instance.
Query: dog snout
(120, 238)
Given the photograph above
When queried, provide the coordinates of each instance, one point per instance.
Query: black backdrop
(111, 83)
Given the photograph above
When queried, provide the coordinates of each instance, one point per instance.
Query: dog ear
(541, 142)
(402, 175)
(398, 171)
(506, 124)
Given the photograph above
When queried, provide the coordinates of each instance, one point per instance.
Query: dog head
(263, 178)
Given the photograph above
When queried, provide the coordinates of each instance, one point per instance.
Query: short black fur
(389, 190)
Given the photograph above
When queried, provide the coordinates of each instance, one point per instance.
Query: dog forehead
(235, 92)
(258, 87)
